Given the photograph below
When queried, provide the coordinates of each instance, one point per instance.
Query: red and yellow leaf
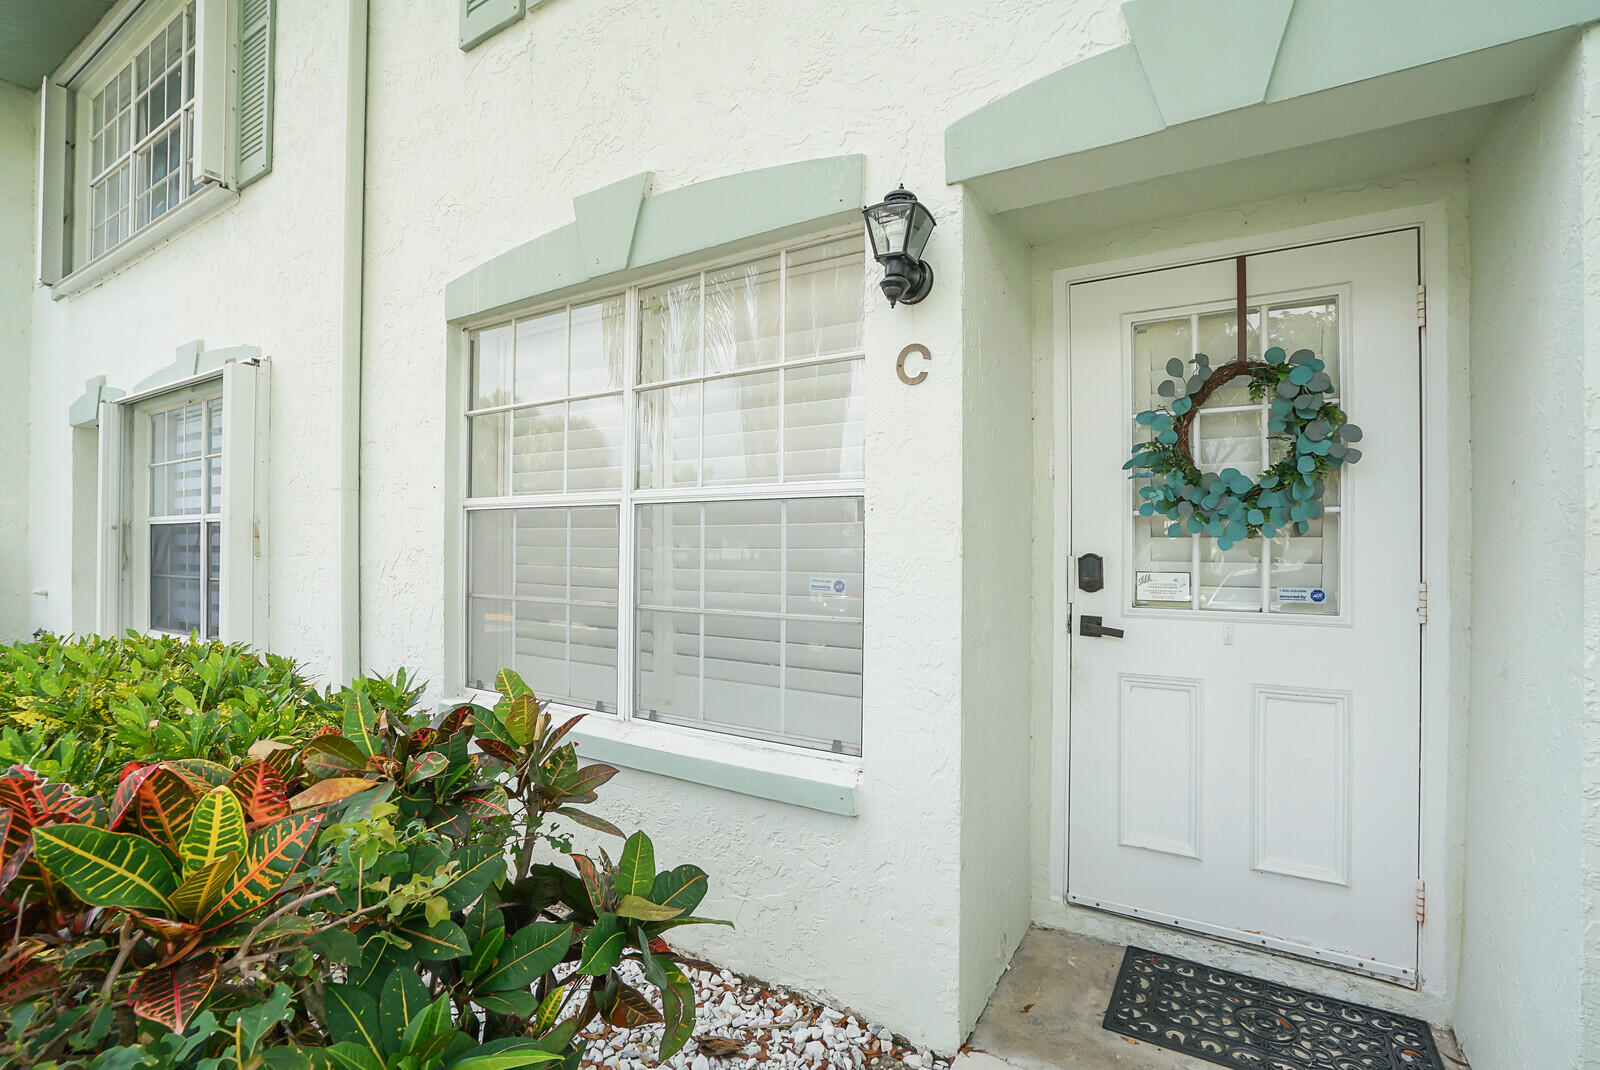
(331, 756)
(127, 793)
(324, 792)
(165, 801)
(495, 749)
(201, 774)
(174, 994)
(262, 792)
(487, 803)
(275, 853)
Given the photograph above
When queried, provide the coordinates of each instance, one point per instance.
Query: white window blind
(722, 414)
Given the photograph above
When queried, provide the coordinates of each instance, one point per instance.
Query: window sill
(814, 781)
(207, 202)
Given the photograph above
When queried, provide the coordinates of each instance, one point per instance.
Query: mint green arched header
(1208, 83)
(622, 228)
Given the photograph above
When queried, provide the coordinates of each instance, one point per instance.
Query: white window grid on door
(628, 498)
(142, 135)
(205, 517)
(1258, 319)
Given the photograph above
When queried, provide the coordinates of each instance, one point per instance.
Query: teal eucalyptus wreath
(1228, 505)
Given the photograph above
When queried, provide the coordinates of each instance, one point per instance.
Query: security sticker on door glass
(1313, 595)
(1161, 588)
(827, 585)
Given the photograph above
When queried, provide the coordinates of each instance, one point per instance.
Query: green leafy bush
(320, 895)
(78, 710)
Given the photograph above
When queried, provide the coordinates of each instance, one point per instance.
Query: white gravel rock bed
(770, 1028)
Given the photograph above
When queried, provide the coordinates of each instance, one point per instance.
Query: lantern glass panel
(921, 228)
(887, 227)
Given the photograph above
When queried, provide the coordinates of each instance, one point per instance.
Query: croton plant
(386, 894)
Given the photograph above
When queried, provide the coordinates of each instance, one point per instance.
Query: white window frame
(127, 30)
(141, 534)
(627, 498)
(123, 573)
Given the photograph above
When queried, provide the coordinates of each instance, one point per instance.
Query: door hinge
(1422, 306)
(1422, 901)
(1422, 602)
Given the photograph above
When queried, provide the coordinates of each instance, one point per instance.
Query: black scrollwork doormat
(1233, 1020)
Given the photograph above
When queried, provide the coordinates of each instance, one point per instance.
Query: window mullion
(627, 526)
(783, 380)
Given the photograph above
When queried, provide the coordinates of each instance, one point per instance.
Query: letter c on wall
(910, 378)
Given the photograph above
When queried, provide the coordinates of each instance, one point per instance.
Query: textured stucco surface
(996, 451)
(1527, 992)
(1445, 186)
(263, 272)
(19, 112)
(473, 153)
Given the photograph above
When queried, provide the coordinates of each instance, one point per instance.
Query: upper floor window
(664, 509)
(142, 143)
(168, 102)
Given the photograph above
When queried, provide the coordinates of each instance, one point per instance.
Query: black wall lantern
(899, 229)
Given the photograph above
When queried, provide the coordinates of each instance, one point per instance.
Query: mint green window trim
(830, 796)
(620, 230)
(482, 19)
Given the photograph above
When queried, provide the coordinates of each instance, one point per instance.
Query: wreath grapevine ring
(1228, 505)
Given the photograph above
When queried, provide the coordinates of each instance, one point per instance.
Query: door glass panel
(1290, 574)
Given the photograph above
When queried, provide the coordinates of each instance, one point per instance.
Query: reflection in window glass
(185, 518)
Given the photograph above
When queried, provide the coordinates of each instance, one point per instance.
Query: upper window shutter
(482, 19)
(254, 94)
(213, 40)
(243, 583)
(52, 183)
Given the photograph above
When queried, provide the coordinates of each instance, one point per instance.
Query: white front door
(1244, 758)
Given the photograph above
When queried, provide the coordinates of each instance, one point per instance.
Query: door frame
(1435, 815)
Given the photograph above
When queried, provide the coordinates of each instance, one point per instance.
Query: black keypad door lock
(1092, 628)
(1091, 572)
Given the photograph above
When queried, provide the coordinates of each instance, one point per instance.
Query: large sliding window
(680, 465)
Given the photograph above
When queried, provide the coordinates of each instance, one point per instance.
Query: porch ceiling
(1206, 90)
(36, 35)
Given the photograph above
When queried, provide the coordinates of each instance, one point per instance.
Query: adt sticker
(1302, 594)
(826, 585)
(1318, 594)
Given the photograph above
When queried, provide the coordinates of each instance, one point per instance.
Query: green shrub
(78, 710)
(319, 881)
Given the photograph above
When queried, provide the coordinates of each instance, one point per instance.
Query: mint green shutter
(254, 90)
(481, 19)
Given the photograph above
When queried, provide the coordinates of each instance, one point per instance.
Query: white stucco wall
(19, 118)
(1528, 971)
(1444, 186)
(996, 452)
(264, 272)
(471, 154)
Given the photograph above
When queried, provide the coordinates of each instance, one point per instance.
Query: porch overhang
(1208, 87)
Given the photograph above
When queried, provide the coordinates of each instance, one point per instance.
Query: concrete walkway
(1046, 1013)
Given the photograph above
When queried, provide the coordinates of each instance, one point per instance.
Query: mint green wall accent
(1205, 58)
(1193, 62)
(193, 359)
(1096, 101)
(1334, 42)
(482, 19)
(667, 226)
(85, 412)
(788, 788)
(606, 221)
